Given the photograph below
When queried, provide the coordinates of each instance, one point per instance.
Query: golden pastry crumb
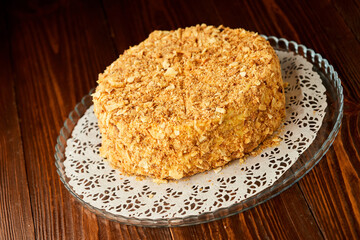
(189, 100)
(139, 178)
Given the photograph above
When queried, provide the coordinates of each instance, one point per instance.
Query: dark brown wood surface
(51, 53)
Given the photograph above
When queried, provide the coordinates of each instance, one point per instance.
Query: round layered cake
(186, 101)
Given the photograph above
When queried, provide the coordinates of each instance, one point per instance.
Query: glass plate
(306, 161)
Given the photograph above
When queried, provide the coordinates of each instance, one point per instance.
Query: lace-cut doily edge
(334, 84)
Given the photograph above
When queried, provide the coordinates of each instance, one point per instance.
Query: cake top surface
(185, 74)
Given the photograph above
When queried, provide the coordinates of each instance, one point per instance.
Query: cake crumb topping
(188, 100)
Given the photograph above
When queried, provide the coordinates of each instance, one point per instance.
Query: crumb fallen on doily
(159, 181)
(140, 178)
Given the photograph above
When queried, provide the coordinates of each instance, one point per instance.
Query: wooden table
(50, 56)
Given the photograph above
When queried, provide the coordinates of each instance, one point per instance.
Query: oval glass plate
(303, 165)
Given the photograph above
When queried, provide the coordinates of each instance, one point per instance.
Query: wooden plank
(58, 50)
(279, 218)
(332, 188)
(132, 21)
(16, 221)
(350, 12)
(330, 37)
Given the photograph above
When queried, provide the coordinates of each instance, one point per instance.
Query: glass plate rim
(277, 43)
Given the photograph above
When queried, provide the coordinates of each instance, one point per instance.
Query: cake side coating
(186, 101)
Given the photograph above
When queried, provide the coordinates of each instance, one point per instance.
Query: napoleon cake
(190, 100)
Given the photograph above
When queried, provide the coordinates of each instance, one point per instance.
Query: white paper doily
(102, 187)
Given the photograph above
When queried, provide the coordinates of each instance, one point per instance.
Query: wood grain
(58, 48)
(293, 220)
(16, 220)
(350, 12)
(340, 167)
